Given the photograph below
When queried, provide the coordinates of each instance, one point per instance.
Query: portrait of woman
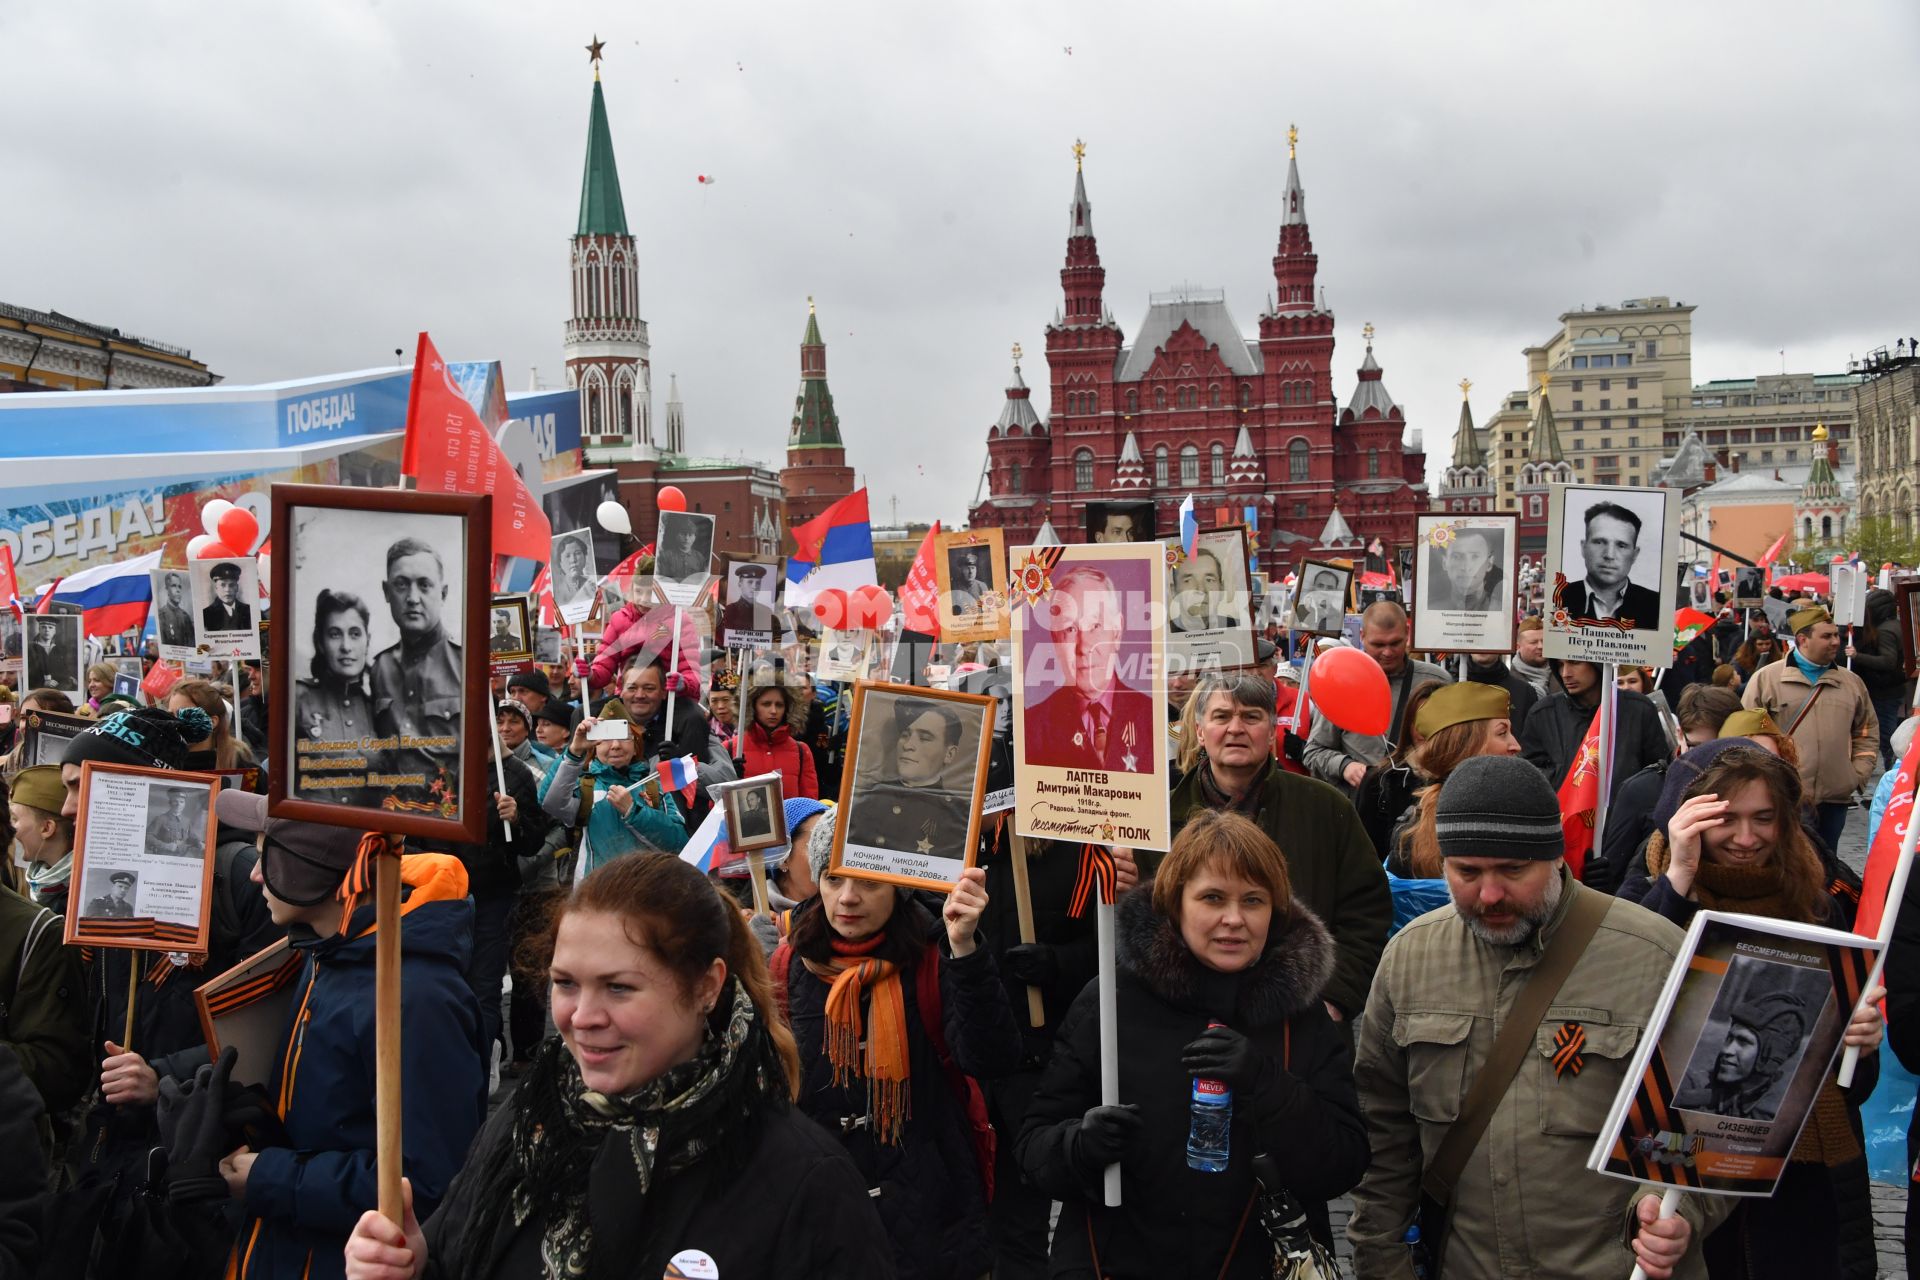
(333, 704)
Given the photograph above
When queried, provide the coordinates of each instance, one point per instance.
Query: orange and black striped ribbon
(1097, 872)
(1568, 1042)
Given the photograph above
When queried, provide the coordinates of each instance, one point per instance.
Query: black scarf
(1214, 796)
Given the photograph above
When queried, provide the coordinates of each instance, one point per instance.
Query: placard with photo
(1745, 1033)
(849, 655)
(911, 790)
(1749, 586)
(510, 634)
(1090, 692)
(1612, 593)
(226, 607)
(1115, 522)
(55, 654)
(749, 616)
(248, 1007)
(1320, 597)
(970, 568)
(1464, 582)
(384, 720)
(1209, 602)
(143, 851)
(570, 571)
(683, 561)
(173, 613)
(756, 812)
(45, 735)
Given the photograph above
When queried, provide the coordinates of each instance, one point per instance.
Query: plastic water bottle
(1207, 1137)
(1416, 1251)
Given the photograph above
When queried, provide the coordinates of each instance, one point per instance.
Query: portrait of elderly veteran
(225, 612)
(1608, 548)
(417, 683)
(907, 807)
(1468, 573)
(1079, 715)
(1196, 603)
(1524, 1203)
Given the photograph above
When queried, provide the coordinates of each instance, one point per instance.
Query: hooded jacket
(608, 834)
(302, 1201)
(1175, 1222)
(780, 751)
(633, 630)
(1881, 665)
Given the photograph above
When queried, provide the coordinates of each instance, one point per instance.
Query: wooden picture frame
(520, 656)
(125, 858)
(247, 1008)
(980, 612)
(770, 787)
(1444, 622)
(894, 827)
(399, 773)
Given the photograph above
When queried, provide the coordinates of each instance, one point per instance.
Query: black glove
(1295, 748)
(1105, 1135)
(1221, 1053)
(1032, 963)
(194, 1132)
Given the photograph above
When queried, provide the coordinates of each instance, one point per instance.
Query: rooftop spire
(1296, 195)
(1080, 213)
(602, 212)
(1466, 441)
(812, 338)
(815, 424)
(1545, 445)
(593, 53)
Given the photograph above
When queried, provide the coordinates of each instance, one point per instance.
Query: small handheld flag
(677, 775)
(1189, 528)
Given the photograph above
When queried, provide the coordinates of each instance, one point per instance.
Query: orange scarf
(886, 1066)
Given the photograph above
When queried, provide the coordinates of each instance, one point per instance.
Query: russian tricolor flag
(677, 775)
(834, 549)
(706, 844)
(113, 598)
(1189, 528)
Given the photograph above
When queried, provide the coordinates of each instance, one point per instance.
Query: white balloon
(613, 517)
(211, 513)
(196, 542)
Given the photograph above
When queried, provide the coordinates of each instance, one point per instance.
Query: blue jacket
(303, 1200)
(608, 834)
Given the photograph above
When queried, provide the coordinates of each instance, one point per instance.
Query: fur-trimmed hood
(1290, 975)
(765, 676)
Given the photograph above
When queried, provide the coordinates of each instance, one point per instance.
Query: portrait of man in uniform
(1755, 1035)
(417, 690)
(749, 601)
(755, 821)
(686, 547)
(53, 652)
(972, 577)
(1080, 714)
(173, 621)
(176, 822)
(226, 612)
(911, 805)
(113, 896)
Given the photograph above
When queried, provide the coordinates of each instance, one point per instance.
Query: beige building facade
(1889, 424)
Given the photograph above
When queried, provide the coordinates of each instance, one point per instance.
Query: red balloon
(670, 498)
(217, 550)
(238, 528)
(1351, 689)
(832, 608)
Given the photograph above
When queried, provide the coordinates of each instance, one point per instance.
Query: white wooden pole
(1109, 1031)
(1669, 1205)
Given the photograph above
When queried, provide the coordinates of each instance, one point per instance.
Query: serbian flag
(1189, 527)
(707, 845)
(832, 550)
(920, 593)
(677, 775)
(113, 598)
(1580, 798)
(1884, 856)
(448, 449)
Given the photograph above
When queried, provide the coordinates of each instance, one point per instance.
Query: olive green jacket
(43, 1004)
(1526, 1207)
(1331, 864)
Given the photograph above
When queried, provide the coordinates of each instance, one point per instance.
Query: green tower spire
(601, 210)
(815, 424)
(1545, 446)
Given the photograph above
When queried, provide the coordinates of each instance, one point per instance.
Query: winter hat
(304, 862)
(148, 737)
(535, 680)
(1779, 1019)
(1453, 704)
(820, 848)
(1685, 771)
(514, 707)
(40, 788)
(557, 712)
(1498, 807)
(1903, 737)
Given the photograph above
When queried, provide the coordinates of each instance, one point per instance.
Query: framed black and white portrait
(1749, 586)
(44, 735)
(1209, 602)
(969, 567)
(911, 791)
(226, 607)
(849, 655)
(509, 631)
(143, 853)
(383, 704)
(756, 814)
(1320, 597)
(55, 653)
(572, 575)
(173, 613)
(1613, 592)
(749, 617)
(683, 557)
(1463, 586)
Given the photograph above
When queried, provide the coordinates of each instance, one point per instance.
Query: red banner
(448, 449)
(1580, 798)
(1884, 856)
(920, 593)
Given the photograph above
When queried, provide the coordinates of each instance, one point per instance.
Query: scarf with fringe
(852, 975)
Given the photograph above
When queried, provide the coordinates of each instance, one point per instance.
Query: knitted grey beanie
(820, 844)
(1498, 807)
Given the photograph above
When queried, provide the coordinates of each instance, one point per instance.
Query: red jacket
(761, 753)
(1289, 695)
(631, 631)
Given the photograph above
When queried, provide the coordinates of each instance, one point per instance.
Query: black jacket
(931, 1198)
(23, 1174)
(1692, 665)
(1629, 823)
(796, 1207)
(1383, 797)
(1880, 665)
(1521, 694)
(1556, 727)
(493, 868)
(1175, 1222)
(1053, 869)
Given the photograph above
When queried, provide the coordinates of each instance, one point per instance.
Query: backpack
(964, 1088)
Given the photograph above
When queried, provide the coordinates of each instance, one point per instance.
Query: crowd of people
(614, 1064)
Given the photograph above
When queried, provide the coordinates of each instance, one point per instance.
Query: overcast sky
(293, 190)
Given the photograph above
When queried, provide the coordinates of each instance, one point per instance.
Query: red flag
(1766, 561)
(46, 598)
(920, 593)
(1580, 798)
(448, 449)
(542, 593)
(159, 682)
(9, 583)
(1884, 856)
